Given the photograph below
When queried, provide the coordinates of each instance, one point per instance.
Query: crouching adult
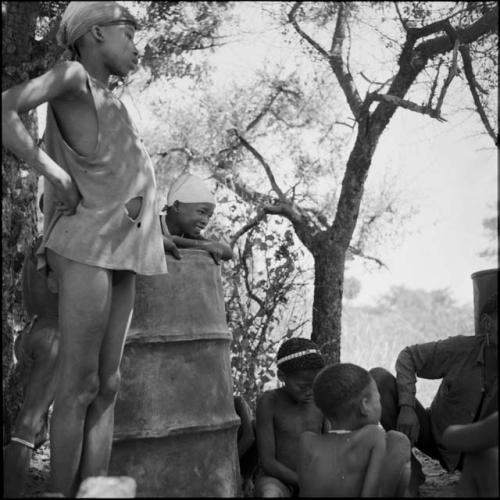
(468, 392)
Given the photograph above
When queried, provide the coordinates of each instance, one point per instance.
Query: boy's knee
(28, 426)
(81, 392)
(398, 444)
(109, 387)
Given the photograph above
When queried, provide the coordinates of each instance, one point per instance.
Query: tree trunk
(329, 261)
(19, 186)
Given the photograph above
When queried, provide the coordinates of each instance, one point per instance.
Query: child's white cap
(189, 188)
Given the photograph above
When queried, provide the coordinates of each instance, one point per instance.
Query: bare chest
(78, 122)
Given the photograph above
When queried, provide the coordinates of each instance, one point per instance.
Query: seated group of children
(319, 434)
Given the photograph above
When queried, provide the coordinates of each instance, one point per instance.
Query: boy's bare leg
(396, 469)
(98, 436)
(479, 477)
(84, 305)
(39, 395)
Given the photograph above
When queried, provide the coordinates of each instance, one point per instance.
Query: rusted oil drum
(175, 423)
(485, 284)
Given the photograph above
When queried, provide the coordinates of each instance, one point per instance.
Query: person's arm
(62, 80)
(430, 360)
(168, 243)
(247, 435)
(219, 251)
(472, 437)
(375, 440)
(266, 442)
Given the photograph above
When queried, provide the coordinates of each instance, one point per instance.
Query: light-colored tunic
(102, 233)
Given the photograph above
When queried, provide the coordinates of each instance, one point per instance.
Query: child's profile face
(299, 385)
(121, 52)
(192, 218)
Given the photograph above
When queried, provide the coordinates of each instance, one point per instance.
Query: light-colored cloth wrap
(79, 17)
(189, 188)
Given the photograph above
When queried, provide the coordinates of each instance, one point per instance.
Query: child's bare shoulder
(371, 434)
(267, 398)
(72, 73)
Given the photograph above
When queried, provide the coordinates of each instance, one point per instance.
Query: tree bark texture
(19, 186)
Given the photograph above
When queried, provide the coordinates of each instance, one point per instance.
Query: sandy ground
(438, 482)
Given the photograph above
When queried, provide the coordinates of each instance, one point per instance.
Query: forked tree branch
(335, 56)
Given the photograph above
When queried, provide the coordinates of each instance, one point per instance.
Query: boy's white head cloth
(189, 188)
(79, 17)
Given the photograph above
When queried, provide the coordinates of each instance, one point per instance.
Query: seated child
(357, 457)
(479, 442)
(189, 207)
(283, 414)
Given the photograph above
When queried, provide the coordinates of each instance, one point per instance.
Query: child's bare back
(340, 465)
(357, 458)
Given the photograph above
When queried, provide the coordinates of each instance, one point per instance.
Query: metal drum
(175, 423)
(485, 284)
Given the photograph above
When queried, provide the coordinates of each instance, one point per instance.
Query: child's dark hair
(338, 388)
(490, 307)
(307, 356)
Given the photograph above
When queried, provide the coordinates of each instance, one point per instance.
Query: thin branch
(404, 22)
(261, 215)
(265, 109)
(246, 273)
(397, 101)
(453, 71)
(305, 36)
(266, 166)
(434, 84)
(471, 80)
(359, 253)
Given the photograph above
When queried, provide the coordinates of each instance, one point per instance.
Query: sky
(449, 173)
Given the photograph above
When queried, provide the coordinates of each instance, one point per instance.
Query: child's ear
(363, 407)
(97, 33)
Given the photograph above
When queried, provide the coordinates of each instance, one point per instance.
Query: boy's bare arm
(170, 247)
(62, 80)
(375, 442)
(472, 437)
(219, 251)
(266, 442)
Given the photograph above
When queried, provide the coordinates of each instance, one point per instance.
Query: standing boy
(101, 226)
(357, 458)
(283, 414)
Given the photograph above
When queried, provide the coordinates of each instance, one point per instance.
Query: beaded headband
(296, 355)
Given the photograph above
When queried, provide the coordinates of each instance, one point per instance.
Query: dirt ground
(438, 482)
